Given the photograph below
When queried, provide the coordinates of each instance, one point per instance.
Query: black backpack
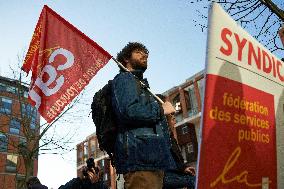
(104, 119)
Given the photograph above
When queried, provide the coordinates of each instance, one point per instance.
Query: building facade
(14, 108)
(187, 101)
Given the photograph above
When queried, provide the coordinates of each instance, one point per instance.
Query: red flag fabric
(32, 54)
(63, 60)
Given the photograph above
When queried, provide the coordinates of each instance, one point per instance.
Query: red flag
(63, 60)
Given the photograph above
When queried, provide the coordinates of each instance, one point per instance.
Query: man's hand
(91, 175)
(168, 108)
(190, 170)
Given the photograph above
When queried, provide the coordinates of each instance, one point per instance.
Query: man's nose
(144, 55)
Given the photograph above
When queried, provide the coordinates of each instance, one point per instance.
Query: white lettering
(50, 72)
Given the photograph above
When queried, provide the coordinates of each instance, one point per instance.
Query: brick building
(187, 101)
(13, 108)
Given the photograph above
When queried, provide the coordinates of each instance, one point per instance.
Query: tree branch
(274, 8)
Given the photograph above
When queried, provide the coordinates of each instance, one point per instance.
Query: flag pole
(125, 69)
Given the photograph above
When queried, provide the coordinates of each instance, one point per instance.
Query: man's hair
(126, 52)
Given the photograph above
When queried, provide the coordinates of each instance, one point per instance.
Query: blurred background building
(13, 141)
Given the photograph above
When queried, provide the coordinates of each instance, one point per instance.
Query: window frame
(3, 108)
(3, 144)
(15, 127)
(184, 130)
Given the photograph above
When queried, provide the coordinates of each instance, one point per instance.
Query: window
(11, 163)
(80, 159)
(201, 88)
(191, 101)
(33, 125)
(183, 153)
(26, 109)
(105, 177)
(23, 92)
(86, 154)
(184, 129)
(34, 121)
(80, 154)
(187, 152)
(26, 94)
(15, 126)
(189, 148)
(2, 87)
(30, 112)
(93, 146)
(11, 89)
(7, 88)
(5, 105)
(3, 142)
(177, 104)
(23, 141)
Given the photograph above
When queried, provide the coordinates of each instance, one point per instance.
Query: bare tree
(34, 138)
(262, 18)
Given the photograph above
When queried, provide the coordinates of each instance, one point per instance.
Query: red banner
(63, 60)
(238, 136)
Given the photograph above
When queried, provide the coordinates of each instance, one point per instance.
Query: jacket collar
(138, 73)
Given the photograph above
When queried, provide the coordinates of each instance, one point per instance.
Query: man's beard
(136, 65)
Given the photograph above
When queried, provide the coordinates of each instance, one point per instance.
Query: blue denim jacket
(143, 139)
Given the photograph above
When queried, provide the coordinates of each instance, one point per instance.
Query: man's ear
(128, 64)
(126, 60)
